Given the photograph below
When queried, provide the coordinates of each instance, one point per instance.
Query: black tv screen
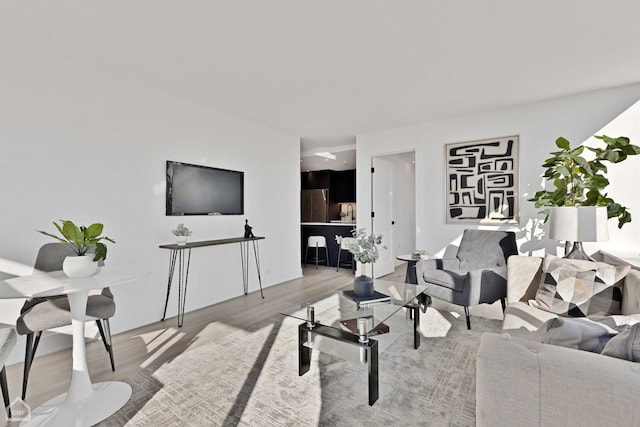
(203, 190)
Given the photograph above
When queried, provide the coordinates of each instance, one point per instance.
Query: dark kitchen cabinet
(341, 184)
(315, 180)
(344, 186)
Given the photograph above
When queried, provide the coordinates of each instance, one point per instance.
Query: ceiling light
(327, 155)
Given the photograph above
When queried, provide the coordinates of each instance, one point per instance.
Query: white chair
(7, 342)
(317, 242)
(344, 246)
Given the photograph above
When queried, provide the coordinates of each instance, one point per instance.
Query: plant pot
(182, 240)
(79, 266)
(363, 286)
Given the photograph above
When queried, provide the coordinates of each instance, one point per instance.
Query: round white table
(84, 404)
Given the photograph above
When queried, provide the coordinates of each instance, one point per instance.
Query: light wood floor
(160, 342)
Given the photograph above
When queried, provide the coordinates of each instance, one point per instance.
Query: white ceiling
(329, 70)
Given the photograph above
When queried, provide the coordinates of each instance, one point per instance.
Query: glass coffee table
(339, 317)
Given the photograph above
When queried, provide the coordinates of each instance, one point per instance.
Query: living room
(88, 141)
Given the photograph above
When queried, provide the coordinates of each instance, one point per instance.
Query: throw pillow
(625, 345)
(579, 288)
(578, 333)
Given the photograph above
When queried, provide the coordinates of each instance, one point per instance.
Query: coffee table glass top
(338, 311)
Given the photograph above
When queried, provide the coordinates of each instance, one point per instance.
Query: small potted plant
(80, 240)
(365, 250)
(182, 234)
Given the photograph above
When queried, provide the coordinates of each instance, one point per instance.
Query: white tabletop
(57, 283)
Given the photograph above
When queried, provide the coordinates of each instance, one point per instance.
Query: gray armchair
(478, 273)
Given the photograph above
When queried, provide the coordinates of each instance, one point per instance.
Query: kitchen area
(328, 208)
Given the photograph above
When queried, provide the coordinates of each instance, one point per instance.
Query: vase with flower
(364, 248)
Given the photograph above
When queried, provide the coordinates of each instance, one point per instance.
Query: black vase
(363, 286)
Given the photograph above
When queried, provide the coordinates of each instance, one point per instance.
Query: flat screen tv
(203, 190)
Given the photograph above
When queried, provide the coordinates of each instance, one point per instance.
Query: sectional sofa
(523, 380)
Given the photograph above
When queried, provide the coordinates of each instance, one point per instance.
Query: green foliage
(181, 230)
(364, 248)
(581, 182)
(80, 239)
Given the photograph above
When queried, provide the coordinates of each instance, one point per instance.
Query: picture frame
(482, 181)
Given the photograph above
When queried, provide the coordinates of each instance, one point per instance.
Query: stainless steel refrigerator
(315, 205)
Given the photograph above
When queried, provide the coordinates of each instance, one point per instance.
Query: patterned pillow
(579, 288)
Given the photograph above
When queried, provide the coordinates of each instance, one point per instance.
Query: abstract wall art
(482, 181)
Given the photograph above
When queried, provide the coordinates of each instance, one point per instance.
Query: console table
(178, 255)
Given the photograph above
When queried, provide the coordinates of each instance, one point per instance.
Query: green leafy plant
(80, 239)
(181, 230)
(581, 182)
(363, 247)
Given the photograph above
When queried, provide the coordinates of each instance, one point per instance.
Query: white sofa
(526, 383)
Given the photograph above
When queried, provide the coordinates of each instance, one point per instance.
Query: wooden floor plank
(160, 342)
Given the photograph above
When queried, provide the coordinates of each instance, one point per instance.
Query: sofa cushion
(580, 288)
(578, 333)
(520, 319)
(625, 345)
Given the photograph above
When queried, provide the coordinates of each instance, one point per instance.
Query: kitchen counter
(329, 230)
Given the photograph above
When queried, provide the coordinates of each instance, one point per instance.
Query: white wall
(576, 118)
(76, 145)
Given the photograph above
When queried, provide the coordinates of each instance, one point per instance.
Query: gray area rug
(249, 378)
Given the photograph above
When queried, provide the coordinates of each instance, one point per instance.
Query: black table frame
(368, 346)
(178, 256)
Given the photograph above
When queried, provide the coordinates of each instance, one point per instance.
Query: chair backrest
(51, 256)
(318, 241)
(486, 249)
(346, 242)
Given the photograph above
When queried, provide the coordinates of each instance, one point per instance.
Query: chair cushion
(55, 312)
(580, 288)
(7, 342)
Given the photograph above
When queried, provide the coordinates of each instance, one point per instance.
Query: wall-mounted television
(203, 190)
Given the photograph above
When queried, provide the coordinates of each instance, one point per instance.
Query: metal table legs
(178, 256)
(244, 255)
(183, 276)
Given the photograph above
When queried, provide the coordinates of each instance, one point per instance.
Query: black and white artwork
(482, 181)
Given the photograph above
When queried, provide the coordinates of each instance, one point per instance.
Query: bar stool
(7, 342)
(317, 242)
(344, 245)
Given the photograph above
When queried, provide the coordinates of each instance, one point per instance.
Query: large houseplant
(581, 182)
(365, 250)
(80, 240)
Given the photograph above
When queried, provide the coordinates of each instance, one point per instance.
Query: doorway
(393, 204)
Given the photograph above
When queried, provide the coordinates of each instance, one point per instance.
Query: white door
(382, 221)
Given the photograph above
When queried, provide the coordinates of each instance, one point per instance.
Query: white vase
(182, 240)
(79, 266)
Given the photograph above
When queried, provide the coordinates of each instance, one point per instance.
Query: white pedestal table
(84, 404)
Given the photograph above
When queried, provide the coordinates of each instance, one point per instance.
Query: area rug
(250, 378)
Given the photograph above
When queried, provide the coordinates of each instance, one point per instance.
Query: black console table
(178, 255)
